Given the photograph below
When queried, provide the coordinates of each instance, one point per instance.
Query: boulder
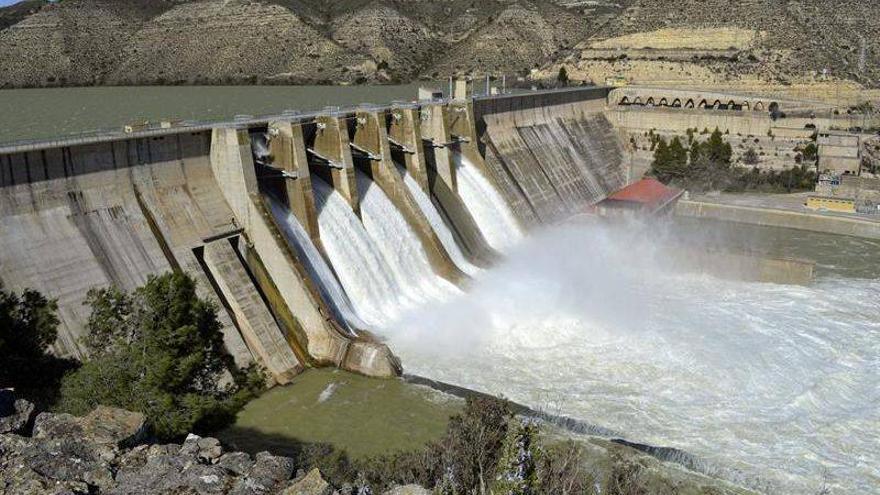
(19, 415)
(269, 474)
(172, 474)
(310, 484)
(237, 463)
(408, 490)
(105, 426)
(113, 426)
(209, 450)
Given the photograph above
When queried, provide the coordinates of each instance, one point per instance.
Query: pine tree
(517, 473)
(562, 77)
(158, 351)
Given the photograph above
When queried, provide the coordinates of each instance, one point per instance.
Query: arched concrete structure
(676, 103)
(703, 104)
(689, 104)
(658, 97)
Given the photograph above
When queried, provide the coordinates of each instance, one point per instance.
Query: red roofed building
(646, 197)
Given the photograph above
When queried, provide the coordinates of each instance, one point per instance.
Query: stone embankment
(107, 452)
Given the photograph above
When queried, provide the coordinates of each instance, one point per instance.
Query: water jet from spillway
(318, 269)
(447, 238)
(488, 208)
(380, 261)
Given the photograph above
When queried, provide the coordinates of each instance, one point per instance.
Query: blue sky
(4, 3)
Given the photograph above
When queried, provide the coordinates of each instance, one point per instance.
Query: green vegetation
(562, 77)
(485, 449)
(707, 166)
(28, 327)
(159, 351)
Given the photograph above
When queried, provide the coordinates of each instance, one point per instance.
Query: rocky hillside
(105, 452)
(790, 41)
(94, 42)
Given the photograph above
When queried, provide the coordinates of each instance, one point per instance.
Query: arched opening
(638, 101)
(703, 104)
(650, 101)
(759, 106)
(689, 104)
(676, 103)
(745, 105)
(663, 102)
(717, 104)
(774, 107)
(624, 101)
(731, 105)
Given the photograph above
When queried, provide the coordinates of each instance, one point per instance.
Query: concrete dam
(314, 232)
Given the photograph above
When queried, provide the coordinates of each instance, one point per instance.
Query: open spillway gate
(112, 211)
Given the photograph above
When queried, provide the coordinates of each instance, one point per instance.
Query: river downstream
(771, 386)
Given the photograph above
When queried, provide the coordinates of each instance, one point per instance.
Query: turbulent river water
(771, 386)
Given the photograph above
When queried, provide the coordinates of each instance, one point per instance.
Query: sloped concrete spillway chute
(293, 292)
(550, 155)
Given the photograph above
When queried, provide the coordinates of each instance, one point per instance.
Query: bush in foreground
(158, 351)
(28, 327)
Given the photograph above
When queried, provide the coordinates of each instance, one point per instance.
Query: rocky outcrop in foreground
(104, 453)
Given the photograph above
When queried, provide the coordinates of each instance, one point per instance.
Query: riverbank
(327, 410)
(778, 210)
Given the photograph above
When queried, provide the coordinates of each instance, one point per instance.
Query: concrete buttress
(438, 139)
(370, 138)
(281, 275)
(331, 144)
(404, 129)
(287, 147)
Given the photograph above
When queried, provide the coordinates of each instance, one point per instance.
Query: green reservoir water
(363, 416)
(33, 114)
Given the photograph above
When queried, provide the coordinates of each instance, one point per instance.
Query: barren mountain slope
(380, 30)
(235, 41)
(521, 36)
(86, 42)
(77, 42)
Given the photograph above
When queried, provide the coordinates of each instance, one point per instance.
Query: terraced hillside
(95, 42)
(778, 41)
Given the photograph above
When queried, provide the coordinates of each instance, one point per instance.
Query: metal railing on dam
(116, 134)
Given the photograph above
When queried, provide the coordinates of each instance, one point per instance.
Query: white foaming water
(440, 228)
(774, 386)
(380, 262)
(331, 291)
(488, 208)
(361, 269)
(400, 247)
